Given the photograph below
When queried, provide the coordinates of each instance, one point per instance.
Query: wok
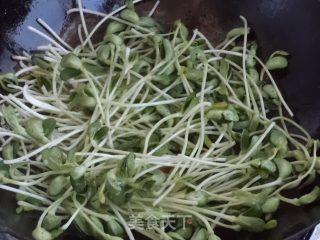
(291, 25)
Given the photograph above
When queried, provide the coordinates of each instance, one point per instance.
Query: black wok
(291, 25)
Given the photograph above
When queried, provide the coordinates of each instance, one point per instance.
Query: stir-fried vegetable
(150, 123)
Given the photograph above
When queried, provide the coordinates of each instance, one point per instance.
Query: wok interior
(289, 25)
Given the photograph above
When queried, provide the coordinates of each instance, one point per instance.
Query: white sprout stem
(106, 17)
(53, 33)
(74, 215)
(125, 113)
(252, 181)
(30, 206)
(48, 38)
(53, 206)
(275, 86)
(25, 107)
(210, 151)
(12, 189)
(214, 145)
(154, 8)
(36, 102)
(80, 34)
(157, 125)
(25, 70)
(258, 142)
(267, 185)
(161, 197)
(127, 103)
(185, 117)
(225, 81)
(96, 95)
(147, 234)
(216, 177)
(186, 135)
(263, 114)
(123, 222)
(151, 169)
(185, 81)
(306, 174)
(191, 211)
(202, 117)
(84, 25)
(48, 145)
(200, 141)
(244, 59)
(148, 104)
(294, 124)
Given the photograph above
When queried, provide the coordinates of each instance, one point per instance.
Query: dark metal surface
(291, 25)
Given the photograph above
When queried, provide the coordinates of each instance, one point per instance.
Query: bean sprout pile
(149, 122)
